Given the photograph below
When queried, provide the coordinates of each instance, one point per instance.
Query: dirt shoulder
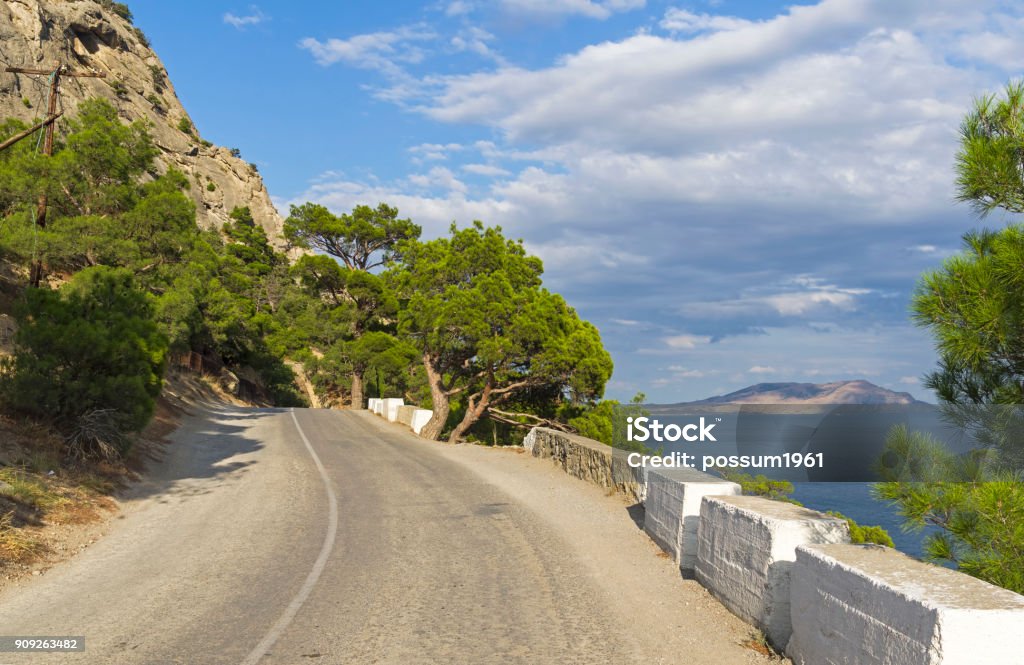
(49, 512)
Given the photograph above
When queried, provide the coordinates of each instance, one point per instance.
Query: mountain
(837, 392)
(99, 36)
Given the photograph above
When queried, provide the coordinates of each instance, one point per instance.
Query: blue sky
(733, 192)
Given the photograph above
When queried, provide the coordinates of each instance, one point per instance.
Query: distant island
(836, 392)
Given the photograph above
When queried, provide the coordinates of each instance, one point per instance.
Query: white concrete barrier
(372, 404)
(746, 546)
(871, 605)
(391, 405)
(405, 414)
(420, 417)
(672, 509)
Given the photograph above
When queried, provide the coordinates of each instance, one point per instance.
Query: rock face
(86, 35)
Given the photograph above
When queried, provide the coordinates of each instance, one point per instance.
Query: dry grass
(16, 544)
(759, 643)
(36, 491)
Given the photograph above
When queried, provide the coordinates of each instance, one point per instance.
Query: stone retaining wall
(585, 459)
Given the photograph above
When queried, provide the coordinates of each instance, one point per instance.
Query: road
(311, 536)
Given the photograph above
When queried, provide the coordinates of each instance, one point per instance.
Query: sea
(856, 502)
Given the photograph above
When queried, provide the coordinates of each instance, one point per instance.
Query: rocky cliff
(90, 35)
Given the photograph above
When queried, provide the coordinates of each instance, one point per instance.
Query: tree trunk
(432, 430)
(357, 391)
(474, 410)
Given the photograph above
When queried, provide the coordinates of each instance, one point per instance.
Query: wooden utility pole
(50, 123)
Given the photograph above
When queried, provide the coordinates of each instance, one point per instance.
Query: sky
(734, 192)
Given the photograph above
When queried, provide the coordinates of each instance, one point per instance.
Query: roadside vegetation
(461, 324)
(780, 490)
(973, 305)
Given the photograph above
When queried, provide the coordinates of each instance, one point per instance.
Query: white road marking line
(293, 608)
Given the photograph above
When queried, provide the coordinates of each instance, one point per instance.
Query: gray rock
(83, 35)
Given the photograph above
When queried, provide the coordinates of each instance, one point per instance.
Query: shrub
(860, 534)
(779, 490)
(118, 8)
(89, 359)
(27, 102)
(158, 76)
(141, 36)
(211, 186)
(119, 88)
(185, 126)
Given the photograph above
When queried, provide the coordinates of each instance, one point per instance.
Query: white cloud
(686, 341)
(760, 369)
(999, 45)
(476, 40)
(909, 380)
(848, 101)
(434, 151)
(680, 20)
(599, 9)
(458, 8)
(660, 170)
(794, 297)
(485, 170)
(680, 372)
(386, 51)
(439, 177)
(254, 17)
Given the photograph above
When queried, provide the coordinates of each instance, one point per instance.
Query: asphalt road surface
(312, 536)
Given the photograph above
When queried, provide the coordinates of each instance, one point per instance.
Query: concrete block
(391, 405)
(746, 546)
(420, 417)
(530, 440)
(405, 414)
(672, 509)
(871, 605)
(372, 404)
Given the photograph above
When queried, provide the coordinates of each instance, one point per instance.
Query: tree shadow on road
(209, 448)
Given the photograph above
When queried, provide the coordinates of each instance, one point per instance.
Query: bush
(211, 186)
(119, 88)
(118, 8)
(860, 534)
(89, 359)
(185, 125)
(159, 79)
(779, 490)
